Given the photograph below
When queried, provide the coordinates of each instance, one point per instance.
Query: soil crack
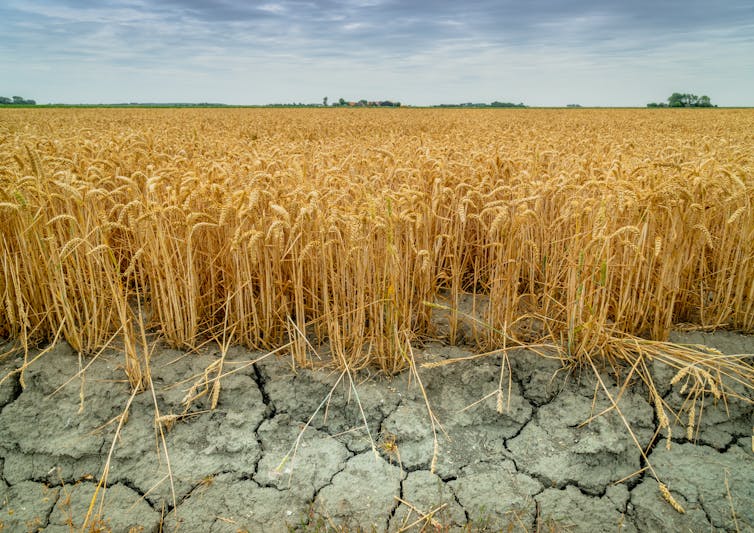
(455, 497)
(14, 384)
(329, 483)
(261, 382)
(48, 514)
(396, 504)
(536, 523)
(534, 411)
(143, 495)
(706, 514)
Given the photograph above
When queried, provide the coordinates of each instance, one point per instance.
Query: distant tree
(341, 101)
(688, 100)
(16, 100)
(500, 104)
(324, 101)
(482, 105)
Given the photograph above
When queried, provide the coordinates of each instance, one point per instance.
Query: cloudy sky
(540, 52)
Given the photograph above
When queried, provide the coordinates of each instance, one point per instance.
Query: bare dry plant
(425, 520)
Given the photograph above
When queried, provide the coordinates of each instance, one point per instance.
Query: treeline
(363, 103)
(16, 100)
(492, 104)
(176, 104)
(291, 104)
(147, 104)
(684, 100)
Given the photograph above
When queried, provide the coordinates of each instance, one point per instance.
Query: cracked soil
(254, 463)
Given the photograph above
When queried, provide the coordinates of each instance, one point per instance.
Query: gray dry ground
(533, 466)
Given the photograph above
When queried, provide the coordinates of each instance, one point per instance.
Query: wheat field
(589, 230)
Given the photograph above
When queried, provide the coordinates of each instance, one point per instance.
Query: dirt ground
(254, 464)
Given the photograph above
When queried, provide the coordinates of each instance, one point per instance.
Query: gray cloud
(542, 52)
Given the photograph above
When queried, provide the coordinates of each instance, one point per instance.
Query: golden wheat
(268, 226)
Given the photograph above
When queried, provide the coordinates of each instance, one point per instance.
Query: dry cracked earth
(254, 464)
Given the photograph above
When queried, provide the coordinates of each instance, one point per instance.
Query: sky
(427, 52)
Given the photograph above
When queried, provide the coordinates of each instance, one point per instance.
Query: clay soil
(238, 467)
